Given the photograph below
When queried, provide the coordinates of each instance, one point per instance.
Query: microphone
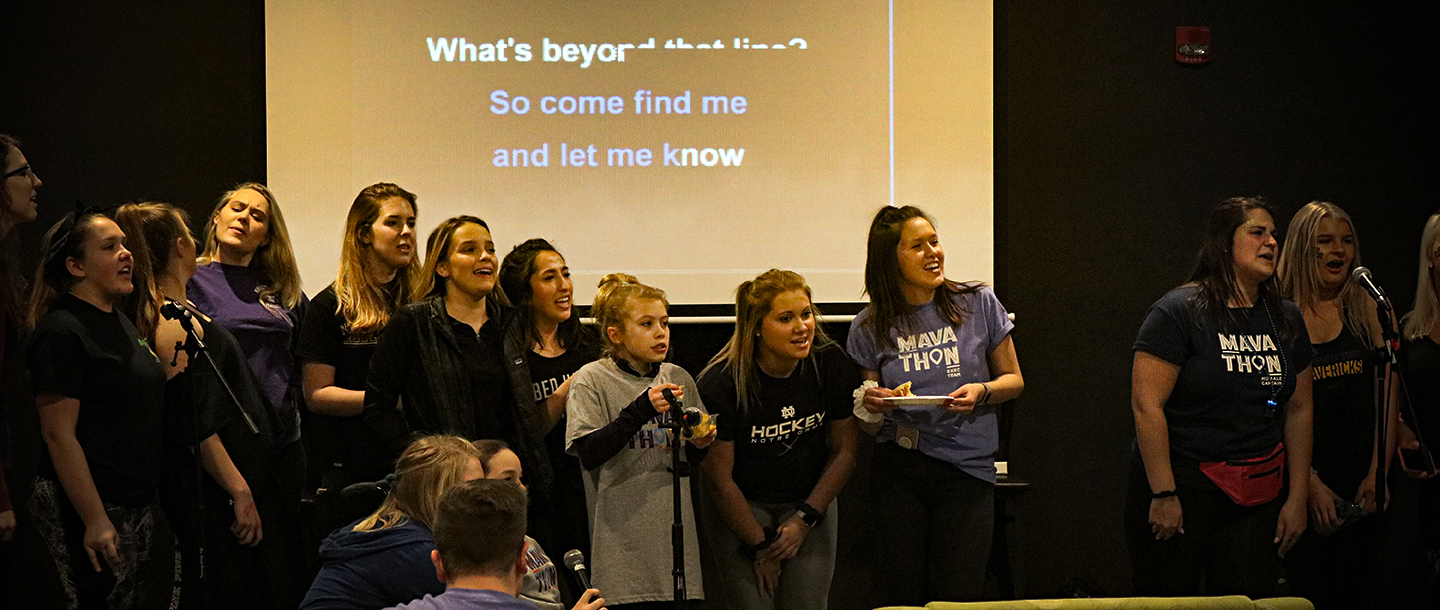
(675, 403)
(575, 560)
(1362, 277)
(173, 311)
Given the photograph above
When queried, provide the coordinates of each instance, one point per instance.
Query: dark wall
(1108, 154)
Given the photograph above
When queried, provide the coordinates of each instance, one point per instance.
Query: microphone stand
(193, 346)
(1387, 361)
(680, 430)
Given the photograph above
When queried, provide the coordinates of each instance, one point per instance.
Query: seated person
(384, 559)
(480, 532)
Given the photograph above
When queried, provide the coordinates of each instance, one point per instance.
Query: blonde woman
(1420, 360)
(379, 267)
(384, 559)
(247, 281)
(1333, 564)
(785, 446)
(616, 415)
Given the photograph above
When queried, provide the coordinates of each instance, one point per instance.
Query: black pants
(269, 575)
(1228, 547)
(1339, 571)
(934, 524)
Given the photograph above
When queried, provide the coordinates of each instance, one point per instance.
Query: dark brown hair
(480, 528)
(1214, 272)
(888, 308)
(515, 273)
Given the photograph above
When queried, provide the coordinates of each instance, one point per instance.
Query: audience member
(481, 554)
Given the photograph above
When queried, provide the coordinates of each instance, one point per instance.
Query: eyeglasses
(23, 170)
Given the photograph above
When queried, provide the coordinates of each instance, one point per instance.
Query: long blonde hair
(151, 229)
(364, 305)
(1422, 316)
(612, 303)
(753, 300)
(425, 471)
(1298, 272)
(274, 260)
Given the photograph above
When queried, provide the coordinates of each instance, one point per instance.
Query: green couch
(1234, 602)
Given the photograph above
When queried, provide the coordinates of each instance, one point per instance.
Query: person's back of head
(480, 530)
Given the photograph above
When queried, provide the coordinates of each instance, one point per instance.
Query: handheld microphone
(173, 311)
(1362, 277)
(575, 560)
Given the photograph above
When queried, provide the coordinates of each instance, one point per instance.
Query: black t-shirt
(546, 375)
(323, 339)
(484, 355)
(1344, 397)
(97, 357)
(339, 441)
(198, 405)
(1421, 361)
(781, 441)
(1218, 409)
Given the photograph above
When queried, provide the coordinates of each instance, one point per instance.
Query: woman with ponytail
(617, 417)
(934, 465)
(785, 446)
(205, 428)
(99, 390)
(379, 267)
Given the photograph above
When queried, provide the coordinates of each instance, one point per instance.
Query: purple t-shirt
(229, 295)
(938, 357)
(467, 599)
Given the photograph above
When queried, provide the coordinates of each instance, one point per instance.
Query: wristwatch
(810, 515)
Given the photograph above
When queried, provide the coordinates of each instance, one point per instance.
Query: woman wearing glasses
(17, 207)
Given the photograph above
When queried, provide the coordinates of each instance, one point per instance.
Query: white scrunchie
(860, 411)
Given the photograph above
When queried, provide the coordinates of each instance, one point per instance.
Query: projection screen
(690, 143)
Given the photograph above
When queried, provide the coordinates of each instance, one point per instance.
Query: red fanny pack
(1250, 482)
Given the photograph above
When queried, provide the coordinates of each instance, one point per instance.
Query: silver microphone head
(1359, 273)
(574, 558)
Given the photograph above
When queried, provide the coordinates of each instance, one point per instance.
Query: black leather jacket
(418, 367)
